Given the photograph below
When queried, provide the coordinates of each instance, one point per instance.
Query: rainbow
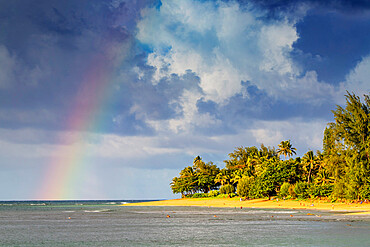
(67, 167)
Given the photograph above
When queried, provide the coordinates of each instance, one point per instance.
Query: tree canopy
(286, 149)
(341, 170)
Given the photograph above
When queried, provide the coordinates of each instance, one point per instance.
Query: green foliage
(206, 174)
(292, 194)
(197, 178)
(213, 193)
(334, 153)
(341, 170)
(301, 190)
(244, 186)
(257, 190)
(231, 195)
(286, 149)
(320, 190)
(197, 195)
(352, 122)
(284, 190)
(339, 190)
(310, 162)
(226, 195)
(365, 192)
(227, 189)
(246, 158)
(186, 183)
(291, 171)
(272, 174)
(266, 182)
(223, 177)
(347, 145)
(240, 157)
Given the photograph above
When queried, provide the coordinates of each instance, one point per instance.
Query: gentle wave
(97, 211)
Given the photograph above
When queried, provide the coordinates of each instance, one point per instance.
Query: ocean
(106, 223)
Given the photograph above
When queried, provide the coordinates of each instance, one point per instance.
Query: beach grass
(344, 207)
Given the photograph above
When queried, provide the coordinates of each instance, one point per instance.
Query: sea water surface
(107, 223)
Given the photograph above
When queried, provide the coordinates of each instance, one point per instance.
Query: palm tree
(189, 178)
(223, 177)
(236, 176)
(286, 149)
(323, 177)
(310, 160)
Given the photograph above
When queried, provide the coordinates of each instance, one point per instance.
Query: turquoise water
(104, 223)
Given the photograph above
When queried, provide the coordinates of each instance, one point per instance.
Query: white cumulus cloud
(358, 79)
(224, 44)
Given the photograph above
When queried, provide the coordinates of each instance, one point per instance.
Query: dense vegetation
(340, 170)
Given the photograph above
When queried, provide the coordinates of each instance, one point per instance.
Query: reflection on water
(107, 224)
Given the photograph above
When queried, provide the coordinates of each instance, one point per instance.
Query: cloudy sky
(111, 99)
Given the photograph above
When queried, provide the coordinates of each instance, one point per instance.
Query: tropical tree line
(340, 170)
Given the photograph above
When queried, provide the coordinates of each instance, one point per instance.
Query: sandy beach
(347, 208)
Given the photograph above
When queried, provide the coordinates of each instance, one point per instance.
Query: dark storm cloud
(334, 42)
(342, 5)
(48, 46)
(333, 34)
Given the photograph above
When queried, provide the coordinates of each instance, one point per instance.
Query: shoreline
(340, 207)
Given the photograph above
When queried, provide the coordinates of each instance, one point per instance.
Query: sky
(110, 99)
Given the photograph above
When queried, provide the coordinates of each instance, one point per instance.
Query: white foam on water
(97, 211)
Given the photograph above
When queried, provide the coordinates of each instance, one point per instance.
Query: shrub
(231, 195)
(227, 189)
(317, 190)
(291, 191)
(244, 186)
(301, 190)
(197, 195)
(365, 192)
(339, 190)
(256, 191)
(223, 196)
(284, 190)
(200, 195)
(213, 193)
